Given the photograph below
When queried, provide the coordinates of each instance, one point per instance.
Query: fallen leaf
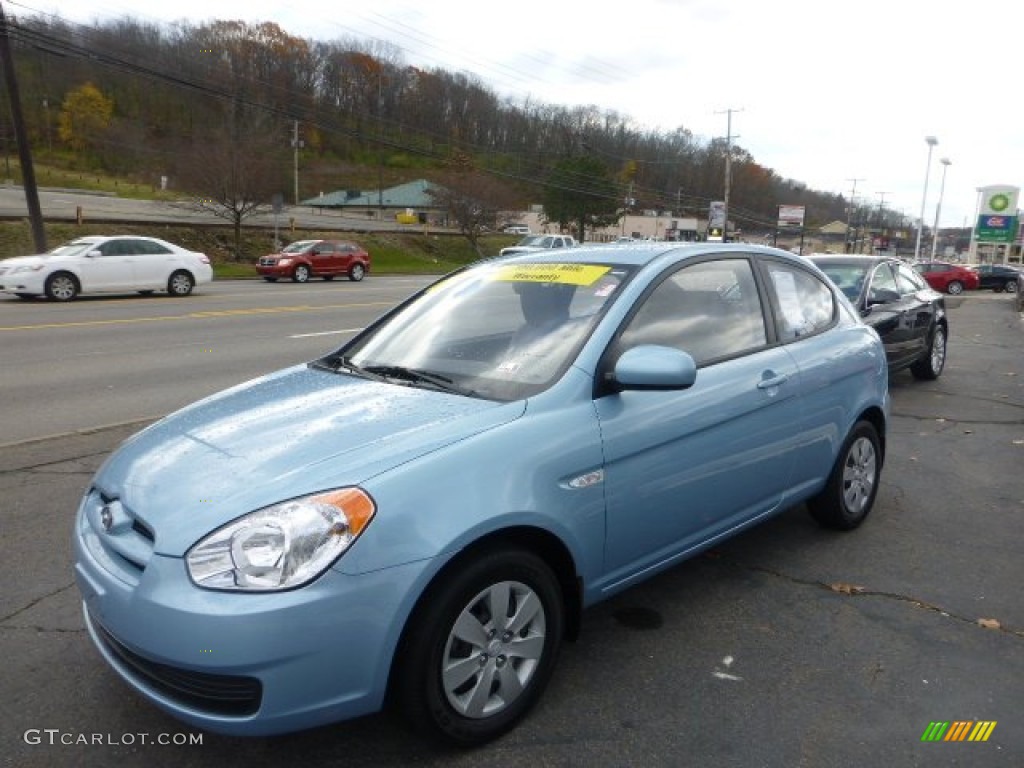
(846, 589)
(990, 623)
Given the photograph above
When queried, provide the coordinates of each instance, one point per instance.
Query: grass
(392, 253)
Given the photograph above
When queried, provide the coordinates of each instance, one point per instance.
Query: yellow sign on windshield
(569, 274)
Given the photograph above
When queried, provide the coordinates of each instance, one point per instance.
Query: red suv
(304, 259)
(948, 278)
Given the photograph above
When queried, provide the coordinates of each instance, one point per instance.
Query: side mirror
(651, 366)
(882, 296)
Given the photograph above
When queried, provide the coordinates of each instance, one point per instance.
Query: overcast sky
(823, 91)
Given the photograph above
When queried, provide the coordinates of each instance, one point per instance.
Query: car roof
(640, 253)
(849, 258)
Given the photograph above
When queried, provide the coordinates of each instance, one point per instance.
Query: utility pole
(849, 215)
(295, 146)
(28, 174)
(881, 203)
(728, 167)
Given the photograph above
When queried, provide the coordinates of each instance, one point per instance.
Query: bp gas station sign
(997, 215)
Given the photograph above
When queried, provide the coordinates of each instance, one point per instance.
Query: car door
(917, 306)
(152, 263)
(683, 466)
(107, 267)
(893, 313)
(321, 257)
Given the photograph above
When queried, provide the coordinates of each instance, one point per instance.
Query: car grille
(114, 528)
(268, 262)
(216, 694)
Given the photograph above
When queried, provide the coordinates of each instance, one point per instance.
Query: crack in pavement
(47, 466)
(35, 602)
(858, 592)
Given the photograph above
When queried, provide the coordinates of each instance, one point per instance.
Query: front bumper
(243, 664)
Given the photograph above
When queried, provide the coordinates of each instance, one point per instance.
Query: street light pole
(946, 162)
(932, 141)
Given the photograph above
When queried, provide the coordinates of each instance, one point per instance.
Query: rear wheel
(850, 491)
(480, 648)
(930, 366)
(301, 274)
(62, 286)
(356, 272)
(180, 283)
(1010, 286)
(955, 287)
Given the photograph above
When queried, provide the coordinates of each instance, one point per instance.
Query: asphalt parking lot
(788, 646)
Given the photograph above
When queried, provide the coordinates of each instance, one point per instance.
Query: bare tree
(235, 170)
(472, 201)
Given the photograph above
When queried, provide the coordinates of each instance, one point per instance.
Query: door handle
(772, 380)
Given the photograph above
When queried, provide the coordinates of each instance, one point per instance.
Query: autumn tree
(84, 117)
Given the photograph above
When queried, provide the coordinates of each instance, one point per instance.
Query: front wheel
(301, 274)
(270, 279)
(480, 648)
(61, 286)
(180, 283)
(1011, 286)
(356, 272)
(955, 288)
(850, 491)
(929, 367)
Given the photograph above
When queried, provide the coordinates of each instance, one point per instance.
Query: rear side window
(805, 304)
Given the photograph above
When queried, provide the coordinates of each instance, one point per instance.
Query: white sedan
(98, 264)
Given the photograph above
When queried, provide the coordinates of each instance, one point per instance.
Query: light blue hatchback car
(420, 517)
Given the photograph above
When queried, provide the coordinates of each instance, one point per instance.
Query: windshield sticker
(568, 274)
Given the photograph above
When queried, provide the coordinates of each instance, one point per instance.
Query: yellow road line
(194, 316)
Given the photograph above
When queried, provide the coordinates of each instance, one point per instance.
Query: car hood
(21, 261)
(292, 433)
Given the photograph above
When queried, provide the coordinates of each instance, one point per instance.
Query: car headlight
(282, 546)
(26, 268)
(283, 262)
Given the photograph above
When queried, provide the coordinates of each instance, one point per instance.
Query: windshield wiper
(417, 376)
(341, 363)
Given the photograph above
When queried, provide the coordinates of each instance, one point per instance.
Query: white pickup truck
(532, 243)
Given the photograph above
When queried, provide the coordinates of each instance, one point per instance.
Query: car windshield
(532, 240)
(848, 278)
(73, 248)
(500, 330)
(300, 246)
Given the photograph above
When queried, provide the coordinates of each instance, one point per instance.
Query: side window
(908, 280)
(710, 310)
(882, 280)
(111, 248)
(806, 304)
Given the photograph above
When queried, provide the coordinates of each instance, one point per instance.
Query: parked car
(948, 278)
(998, 277)
(532, 243)
(106, 264)
(304, 259)
(908, 314)
(368, 527)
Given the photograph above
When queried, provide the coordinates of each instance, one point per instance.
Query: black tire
(62, 286)
(356, 272)
(1010, 286)
(497, 670)
(930, 366)
(180, 283)
(850, 492)
(301, 274)
(955, 288)
(270, 279)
